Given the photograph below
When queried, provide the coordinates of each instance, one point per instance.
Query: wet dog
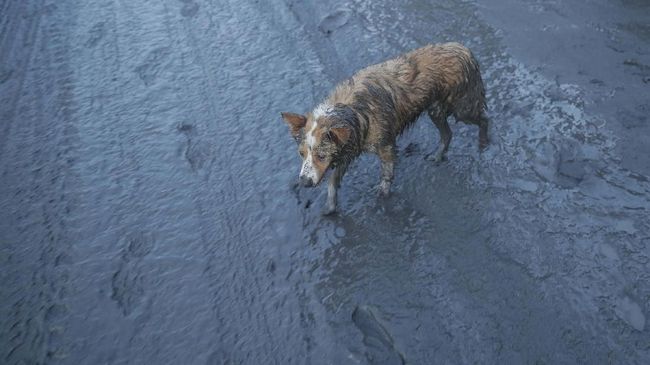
(370, 110)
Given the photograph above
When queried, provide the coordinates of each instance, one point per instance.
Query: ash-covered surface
(147, 214)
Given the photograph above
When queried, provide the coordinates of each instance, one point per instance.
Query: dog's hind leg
(439, 118)
(482, 122)
(333, 187)
(387, 156)
(483, 139)
(471, 110)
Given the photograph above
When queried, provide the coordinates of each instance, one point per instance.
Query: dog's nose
(306, 181)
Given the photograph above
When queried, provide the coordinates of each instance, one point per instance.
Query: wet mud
(148, 212)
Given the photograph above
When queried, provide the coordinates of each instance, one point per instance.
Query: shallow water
(148, 214)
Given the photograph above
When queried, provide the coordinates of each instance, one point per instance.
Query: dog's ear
(340, 135)
(295, 121)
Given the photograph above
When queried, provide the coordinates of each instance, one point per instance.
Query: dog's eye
(302, 154)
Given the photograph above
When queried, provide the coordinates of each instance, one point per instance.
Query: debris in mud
(572, 165)
(190, 9)
(334, 21)
(630, 312)
(185, 127)
(380, 344)
(636, 63)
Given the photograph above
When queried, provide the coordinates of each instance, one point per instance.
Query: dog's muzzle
(306, 181)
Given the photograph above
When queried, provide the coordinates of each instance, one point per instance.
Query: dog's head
(320, 136)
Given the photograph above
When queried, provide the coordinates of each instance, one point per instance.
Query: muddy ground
(147, 214)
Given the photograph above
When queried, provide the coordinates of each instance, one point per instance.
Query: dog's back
(388, 97)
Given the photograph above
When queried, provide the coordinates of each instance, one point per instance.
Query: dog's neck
(345, 116)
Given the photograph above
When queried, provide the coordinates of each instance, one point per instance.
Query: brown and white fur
(367, 112)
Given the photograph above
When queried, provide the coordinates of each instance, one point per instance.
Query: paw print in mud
(128, 282)
(189, 9)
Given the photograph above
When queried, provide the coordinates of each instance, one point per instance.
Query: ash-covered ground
(147, 214)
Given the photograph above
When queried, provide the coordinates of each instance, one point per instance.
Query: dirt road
(147, 214)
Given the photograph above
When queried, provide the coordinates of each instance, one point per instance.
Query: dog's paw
(329, 211)
(383, 190)
(483, 144)
(436, 158)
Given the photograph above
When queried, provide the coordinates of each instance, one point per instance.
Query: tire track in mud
(6, 24)
(137, 217)
(43, 195)
(316, 32)
(52, 165)
(198, 152)
(114, 277)
(14, 71)
(247, 286)
(221, 186)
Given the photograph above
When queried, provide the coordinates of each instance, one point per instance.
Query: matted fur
(389, 96)
(367, 112)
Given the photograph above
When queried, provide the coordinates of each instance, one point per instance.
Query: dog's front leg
(387, 157)
(333, 187)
